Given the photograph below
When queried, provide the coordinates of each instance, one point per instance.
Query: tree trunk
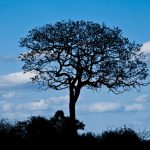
(74, 94)
(72, 110)
(72, 123)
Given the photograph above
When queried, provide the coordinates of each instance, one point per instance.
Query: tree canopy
(83, 54)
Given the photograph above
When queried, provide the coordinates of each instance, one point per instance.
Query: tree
(77, 54)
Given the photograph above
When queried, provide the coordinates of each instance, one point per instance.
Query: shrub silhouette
(40, 133)
(38, 130)
(123, 136)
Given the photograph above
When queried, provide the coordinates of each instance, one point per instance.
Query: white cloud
(37, 105)
(134, 107)
(42, 107)
(142, 98)
(103, 107)
(44, 104)
(115, 106)
(16, 78)
(16, 85)
(146, 48)
(8, 95)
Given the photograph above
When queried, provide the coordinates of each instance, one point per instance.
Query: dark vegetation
(74, 55)
(78, 54)
(41, 133)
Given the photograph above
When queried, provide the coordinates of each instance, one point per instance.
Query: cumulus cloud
(15, 78)
(102, 107)
(114, 106)
(44, 104)
(142, 98)
(134, 107)
(146, 48)
(36, 107)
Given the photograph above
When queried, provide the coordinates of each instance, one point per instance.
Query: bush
(123, 136)
(41, 133)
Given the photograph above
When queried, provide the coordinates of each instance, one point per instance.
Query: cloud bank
(138, 104)
(13, 109)
(10, 110)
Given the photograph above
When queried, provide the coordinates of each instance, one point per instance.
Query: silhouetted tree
(77, 54)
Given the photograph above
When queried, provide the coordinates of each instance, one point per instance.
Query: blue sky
(99, 111)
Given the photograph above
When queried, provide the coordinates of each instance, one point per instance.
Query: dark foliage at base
(42, 133)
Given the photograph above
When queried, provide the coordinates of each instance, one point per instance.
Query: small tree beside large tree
(77, 54)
